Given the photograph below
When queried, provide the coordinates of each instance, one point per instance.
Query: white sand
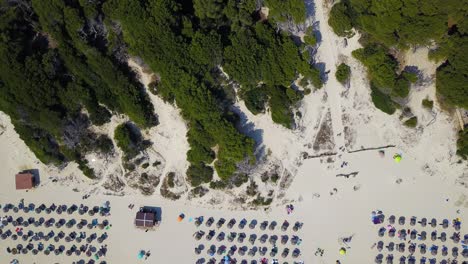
(429, 172)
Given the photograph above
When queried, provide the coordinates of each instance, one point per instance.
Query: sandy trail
(326, 53)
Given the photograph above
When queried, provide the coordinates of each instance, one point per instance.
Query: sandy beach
(334, 188)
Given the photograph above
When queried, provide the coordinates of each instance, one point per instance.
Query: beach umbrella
(252, 238)
(241, 237)
(445, 223)
(24, 251)
(180, 218)
(253, 251)
(422, 248)
(242, 223)
(231, 223)
(35, 251)
(220, 236)
(141, 254)
(397, 158)
(273, 239)
(46, 252)
(382, 231)
(77, 252)
(232, 236)
(342, 251)
(263, 238)
(423, 222)
(68, 253)
(423, 235)
(19, 246)
(378, 259)
(25, 237)
(14, 251)
(412, 248)
(30, 246)
(220, 222)
(15, 209)
(297, 252)
(57, 252)
(263, 225)
(273, 225)
(380, 245)
(455, 252)
(209, 222)
(25, 224)
(252, 224)
(48, 211)
(444, 251)
(390, 247)
(401, 247)
(14, 237)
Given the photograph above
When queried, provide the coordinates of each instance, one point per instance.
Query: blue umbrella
(141, 254)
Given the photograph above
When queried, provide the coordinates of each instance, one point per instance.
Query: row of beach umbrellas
(445, 223)
(243, 222)
(229, 260)
(240, 237)
(59, 209)
(51, 249)
(423, 249)
(52, 222)
(262, 251)
(414, 234)
(72, 236)
(389, 259)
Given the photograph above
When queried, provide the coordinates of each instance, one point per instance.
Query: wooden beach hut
(24, 180)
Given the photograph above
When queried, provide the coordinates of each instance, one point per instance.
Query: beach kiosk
(146, 218)
(24, 181)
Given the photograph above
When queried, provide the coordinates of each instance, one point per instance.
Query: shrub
(426, 103)
(412, 122)
(274, 178)
(252, 188)
(104, 144)
(255, 100)
(198, 174)
(170, 179)
(340, 20)
(218, 185)
(240, 179)
(382, 101)
(342, 73)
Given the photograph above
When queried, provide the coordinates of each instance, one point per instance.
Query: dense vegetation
(404, 23)
(343, 73)
(400, 24)
(64, 58)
